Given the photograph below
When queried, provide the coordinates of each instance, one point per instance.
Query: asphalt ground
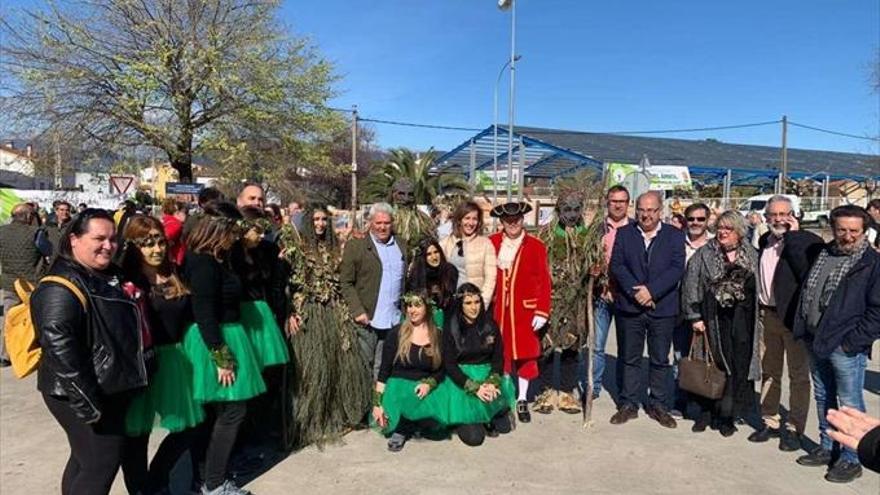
(552, 454)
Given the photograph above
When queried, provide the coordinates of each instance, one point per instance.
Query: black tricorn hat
(511, 209)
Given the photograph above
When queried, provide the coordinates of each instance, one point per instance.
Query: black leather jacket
(92, 352)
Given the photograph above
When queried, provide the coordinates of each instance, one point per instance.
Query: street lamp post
(495, 134)
(504, 5)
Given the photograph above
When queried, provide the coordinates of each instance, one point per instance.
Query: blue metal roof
(551, 153)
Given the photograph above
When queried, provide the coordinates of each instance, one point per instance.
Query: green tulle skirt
(169, 396)
(465, 408)
(206, 388)
(400, 401)
(266, 338)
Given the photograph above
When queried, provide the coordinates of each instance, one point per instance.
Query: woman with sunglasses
(226, 369)
(92, 352)
(151, 281)
(480, 394)
(470, 251)
(405, 399)
(256, 262)
(330, 388)
(430, 273)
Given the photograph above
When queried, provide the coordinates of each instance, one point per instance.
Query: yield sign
(120, 184)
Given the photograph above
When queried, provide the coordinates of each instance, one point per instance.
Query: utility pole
(354, 166)
(784, 177)
(59, 181)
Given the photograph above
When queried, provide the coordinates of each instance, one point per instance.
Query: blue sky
(605, 66)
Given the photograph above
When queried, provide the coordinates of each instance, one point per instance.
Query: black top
(476, 343)
(168, 317)
(216, 293)
(438, 282)
(264, 277)
(419, 366)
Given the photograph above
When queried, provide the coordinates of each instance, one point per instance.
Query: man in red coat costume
(522, 297)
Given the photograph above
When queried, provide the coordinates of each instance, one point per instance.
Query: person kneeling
(404, 398)
(480, 397)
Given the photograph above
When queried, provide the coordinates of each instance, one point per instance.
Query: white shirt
(649, 236)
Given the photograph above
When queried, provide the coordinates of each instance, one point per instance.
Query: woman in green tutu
(405, 398)
(150, 279)
(330, 388)
(479, 394)
(256, 262)
(430, 273)
(226, 371)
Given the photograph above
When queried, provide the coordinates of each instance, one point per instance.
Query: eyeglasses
(696, 219)
(647, 210)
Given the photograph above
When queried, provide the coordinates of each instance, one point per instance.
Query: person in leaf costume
(411, 224)
(330, 389)
(572, 249)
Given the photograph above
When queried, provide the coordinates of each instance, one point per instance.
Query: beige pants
(779, 345)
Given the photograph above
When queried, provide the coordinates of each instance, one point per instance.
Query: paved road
(553, 454)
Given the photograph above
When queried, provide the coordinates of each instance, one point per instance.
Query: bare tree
(176, 75)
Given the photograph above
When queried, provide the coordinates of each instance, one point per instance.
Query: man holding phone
(786, 254)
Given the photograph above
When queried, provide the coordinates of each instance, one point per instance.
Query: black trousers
(229, 416)
(96, 451)
(636, 329)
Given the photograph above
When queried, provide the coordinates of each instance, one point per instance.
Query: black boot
(522, 412)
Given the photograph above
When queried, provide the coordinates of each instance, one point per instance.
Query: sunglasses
(460, 246)
(696, 219)
(151, 242)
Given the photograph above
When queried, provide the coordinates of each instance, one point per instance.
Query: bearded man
(786, 253)
(839, 320)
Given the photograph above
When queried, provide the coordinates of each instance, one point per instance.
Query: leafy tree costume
(411, 225)
(572, 249)
(330, 389)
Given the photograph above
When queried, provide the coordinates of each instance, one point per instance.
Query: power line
(423, 126)
(836, 133)
(622, 133)
(667, 131)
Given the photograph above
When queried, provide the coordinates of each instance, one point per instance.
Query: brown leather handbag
(700, 376)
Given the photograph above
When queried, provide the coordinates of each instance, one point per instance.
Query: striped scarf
(813, 294)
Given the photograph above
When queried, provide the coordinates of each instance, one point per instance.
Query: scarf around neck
(813, 294)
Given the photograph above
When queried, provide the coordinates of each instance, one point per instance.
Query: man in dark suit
(786, 254)
(647, 264)
(372, 281)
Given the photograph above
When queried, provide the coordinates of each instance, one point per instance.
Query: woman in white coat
(470, 251)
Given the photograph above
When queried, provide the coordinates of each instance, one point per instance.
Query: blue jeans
(838, 381)
(602, 319)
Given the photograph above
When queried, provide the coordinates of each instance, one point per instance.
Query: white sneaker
(227, 488)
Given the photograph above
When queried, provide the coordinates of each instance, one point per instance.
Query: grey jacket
(700, 270)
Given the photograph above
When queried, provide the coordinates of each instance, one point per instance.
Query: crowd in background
(197, 320)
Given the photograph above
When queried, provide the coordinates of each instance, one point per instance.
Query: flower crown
(413, 299)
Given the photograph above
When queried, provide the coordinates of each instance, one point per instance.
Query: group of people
(796, 299)
(182, 322)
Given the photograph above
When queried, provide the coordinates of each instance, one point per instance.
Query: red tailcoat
(521, 292)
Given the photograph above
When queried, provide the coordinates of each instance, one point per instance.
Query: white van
(759, 202)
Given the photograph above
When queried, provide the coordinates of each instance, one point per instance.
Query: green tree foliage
(181, 76)
(403, 163)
